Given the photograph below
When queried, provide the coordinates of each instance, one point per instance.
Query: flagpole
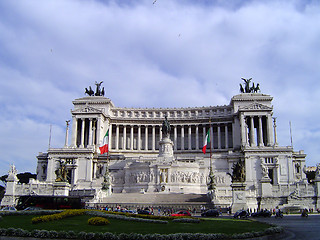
(211, 176)
(210, 146)
(50, 136)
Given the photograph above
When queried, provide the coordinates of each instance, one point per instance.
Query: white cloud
(168, 54)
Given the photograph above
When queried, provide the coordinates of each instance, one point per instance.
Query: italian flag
(104, 147)
(206, 143)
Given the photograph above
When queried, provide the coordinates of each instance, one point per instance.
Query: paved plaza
(297, 227)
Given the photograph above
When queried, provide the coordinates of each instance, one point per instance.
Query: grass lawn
(79, 223)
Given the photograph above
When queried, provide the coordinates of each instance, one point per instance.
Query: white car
(8, 209)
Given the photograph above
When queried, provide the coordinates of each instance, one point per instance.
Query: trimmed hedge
(98, 221)
(58, 216)
(132, 236)
(149, 216)
(123, 217)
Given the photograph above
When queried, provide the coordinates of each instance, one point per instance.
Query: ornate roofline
(251, 97)
(255, 106)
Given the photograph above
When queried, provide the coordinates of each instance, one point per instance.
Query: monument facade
(159, 150)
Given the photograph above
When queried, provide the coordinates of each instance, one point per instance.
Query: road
(297, 227)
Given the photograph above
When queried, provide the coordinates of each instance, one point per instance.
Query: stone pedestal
(10, 197)
(238, 196)
(61, 189)
(166, 147)
(266, 187)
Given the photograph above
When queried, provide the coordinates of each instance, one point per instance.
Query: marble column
(182, 137)
(139, 137)
(244, 136)
(67, 134)
(131, 137)
(252, 140)
(260, 132)
(117, 137)
(160, 133)
(226, 137)
(146, 138)
(269, 130)
(153, 138)
(219, 137)
(197, 137)
(94, 132)
(189, 137)
(175, 136)
(74, 132)
(90, 132)
(275, 131)
(124, 137)
(82, 132)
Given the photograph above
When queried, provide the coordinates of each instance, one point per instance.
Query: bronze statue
(238, 172)
(247, 84)
(211, 182)
(90, 92)
(98, 92)
(61, 172)
(256, 89)
(241, 88)
(166, 128)
(247, 88)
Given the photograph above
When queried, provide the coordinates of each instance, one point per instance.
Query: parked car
(32, 209)
(8, 209)
(261, 213)
(241, 214)
(181, 213)
(144, 212)
(210, 213)
(131, 211)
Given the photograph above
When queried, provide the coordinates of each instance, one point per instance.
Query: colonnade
(256, 130)
(85, 132)
(185, 137)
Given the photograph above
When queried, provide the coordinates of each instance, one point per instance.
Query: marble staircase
(169, 200)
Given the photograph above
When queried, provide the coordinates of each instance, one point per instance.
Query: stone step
(156, 198)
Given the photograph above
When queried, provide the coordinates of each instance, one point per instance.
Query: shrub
(71, 234)
(58, 216)
(98, 221)
(122, 217)
(109, 236)
(53, 234)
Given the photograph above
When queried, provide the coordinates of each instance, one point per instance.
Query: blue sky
(167, 54)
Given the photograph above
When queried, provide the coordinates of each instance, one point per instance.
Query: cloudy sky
(163, 53)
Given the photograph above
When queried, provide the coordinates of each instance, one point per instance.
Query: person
(304, 213)
(279, 213)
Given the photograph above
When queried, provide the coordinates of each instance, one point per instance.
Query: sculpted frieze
(187, 177)
(117, 179)
(255, 106)
(139, 177)
(87, 109)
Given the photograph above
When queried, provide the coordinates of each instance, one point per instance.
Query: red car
(181, 213)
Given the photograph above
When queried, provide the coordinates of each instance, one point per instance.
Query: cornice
(255, 106)
(267, 150)
(251, 97)
(71, 151)
(93, 100)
